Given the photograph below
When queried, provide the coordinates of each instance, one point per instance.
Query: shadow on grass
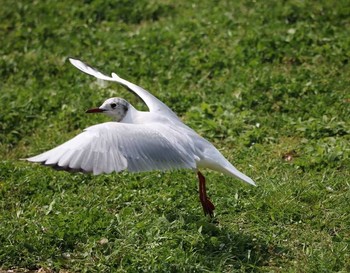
(226, 249)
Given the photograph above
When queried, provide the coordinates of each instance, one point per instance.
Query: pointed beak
(95, 110)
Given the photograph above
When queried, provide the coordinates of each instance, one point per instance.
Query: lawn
(268, 82)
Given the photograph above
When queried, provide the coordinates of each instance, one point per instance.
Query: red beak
(95, 110)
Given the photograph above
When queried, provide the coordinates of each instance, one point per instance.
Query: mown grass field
(266, 81)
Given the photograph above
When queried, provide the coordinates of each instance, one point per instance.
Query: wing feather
(113, 146)
(154, 104)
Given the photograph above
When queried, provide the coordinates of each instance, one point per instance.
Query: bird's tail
(213, 159)
(232, 171)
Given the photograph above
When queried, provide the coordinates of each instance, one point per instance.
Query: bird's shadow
(230, 248)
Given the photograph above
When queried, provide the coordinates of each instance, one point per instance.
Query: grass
(266, 81)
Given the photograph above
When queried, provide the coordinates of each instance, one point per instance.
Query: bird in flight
(138, 141)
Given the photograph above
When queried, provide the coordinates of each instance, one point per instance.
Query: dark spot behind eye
(113, 105)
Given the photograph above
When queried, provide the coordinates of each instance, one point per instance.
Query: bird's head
(113, 107)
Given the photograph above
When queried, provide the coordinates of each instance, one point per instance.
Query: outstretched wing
(112, 146)
(154, 104)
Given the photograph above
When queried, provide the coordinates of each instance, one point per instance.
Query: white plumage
(138, 141)
(113, 146)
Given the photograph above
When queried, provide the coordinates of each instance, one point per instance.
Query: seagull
(138, 141)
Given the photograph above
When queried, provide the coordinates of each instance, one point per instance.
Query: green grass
(266, 81)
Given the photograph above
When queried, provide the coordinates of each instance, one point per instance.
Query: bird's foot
(208, 207)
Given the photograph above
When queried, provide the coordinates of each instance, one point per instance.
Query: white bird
(138, 141)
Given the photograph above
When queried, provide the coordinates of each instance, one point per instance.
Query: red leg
(207, 205)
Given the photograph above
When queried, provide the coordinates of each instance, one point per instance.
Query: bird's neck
(132, 115)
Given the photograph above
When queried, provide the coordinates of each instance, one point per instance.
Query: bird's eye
(113, 105)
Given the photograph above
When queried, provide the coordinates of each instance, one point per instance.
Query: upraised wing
(154, 104)
(113, 146)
